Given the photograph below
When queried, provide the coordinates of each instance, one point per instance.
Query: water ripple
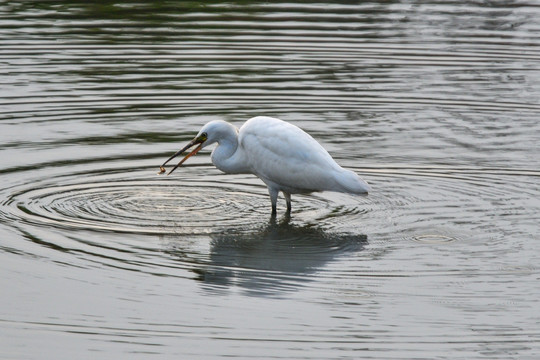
(434, 103)
(135, 200)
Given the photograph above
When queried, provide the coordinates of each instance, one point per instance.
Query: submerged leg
(288, 200)
(273, 198)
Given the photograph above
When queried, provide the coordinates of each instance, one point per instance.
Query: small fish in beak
(198, 140)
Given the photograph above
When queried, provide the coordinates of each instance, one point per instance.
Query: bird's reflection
(277, 257)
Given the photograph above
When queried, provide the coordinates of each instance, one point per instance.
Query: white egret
(282, 155)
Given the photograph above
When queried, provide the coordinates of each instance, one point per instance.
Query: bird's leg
(273, 198)
(286, 219)
(288, 200)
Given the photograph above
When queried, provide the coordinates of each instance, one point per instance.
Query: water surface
(436, 104)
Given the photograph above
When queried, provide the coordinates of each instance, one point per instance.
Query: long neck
(226, 156)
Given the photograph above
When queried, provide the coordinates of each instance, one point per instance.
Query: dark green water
(436, 104)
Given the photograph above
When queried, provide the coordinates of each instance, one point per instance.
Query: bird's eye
(203, 136)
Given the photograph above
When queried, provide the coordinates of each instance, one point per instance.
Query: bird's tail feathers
(350, 182)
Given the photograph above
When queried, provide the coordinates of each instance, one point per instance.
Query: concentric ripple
(410, 202)
(135, 202)
(199, 200)
(434, 238)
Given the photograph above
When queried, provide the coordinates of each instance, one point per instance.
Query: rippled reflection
(279, 256)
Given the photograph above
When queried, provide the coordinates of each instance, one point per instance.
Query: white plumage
(282, 155)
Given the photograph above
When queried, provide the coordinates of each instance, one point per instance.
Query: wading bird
(282, 155)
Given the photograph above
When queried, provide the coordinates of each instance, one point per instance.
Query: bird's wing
(285, 155)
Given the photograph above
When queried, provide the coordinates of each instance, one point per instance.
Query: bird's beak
(198, 140)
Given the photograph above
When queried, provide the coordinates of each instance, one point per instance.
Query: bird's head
(209, 134)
